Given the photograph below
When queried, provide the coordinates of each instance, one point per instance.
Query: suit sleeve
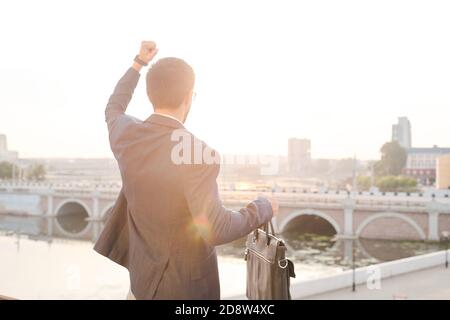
(120, 98)
(215, 223)
(118, 102)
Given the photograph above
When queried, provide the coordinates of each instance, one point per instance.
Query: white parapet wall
(307, 288)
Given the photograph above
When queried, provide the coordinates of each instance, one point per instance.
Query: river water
(33, 266)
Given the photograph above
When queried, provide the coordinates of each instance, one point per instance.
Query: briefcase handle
(268, 229)
(268, 226)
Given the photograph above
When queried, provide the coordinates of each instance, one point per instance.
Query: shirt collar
(165, 120)
(168, 116)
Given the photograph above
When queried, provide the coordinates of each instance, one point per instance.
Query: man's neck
(171, 114)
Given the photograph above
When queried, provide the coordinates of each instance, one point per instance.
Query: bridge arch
(400, 216)
(107, 208)
(308, 212)
(71, 215)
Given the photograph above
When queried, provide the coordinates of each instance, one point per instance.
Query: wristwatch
(139, 61)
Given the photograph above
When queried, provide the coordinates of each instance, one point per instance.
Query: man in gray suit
(174, 214)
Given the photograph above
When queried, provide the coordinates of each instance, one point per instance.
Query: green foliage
(396, 184)
(37, 173)
(364, 183)
(6, 170)
(393, 160)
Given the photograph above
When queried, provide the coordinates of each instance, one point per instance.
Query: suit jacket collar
(163, 120)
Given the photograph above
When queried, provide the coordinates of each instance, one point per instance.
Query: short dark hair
(169, 80)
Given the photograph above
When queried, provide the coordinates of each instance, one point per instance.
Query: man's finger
(148, 44)
(154, 53)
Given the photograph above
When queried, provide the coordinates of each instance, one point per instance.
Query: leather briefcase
(268, 270)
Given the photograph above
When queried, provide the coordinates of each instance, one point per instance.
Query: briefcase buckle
(285, 263)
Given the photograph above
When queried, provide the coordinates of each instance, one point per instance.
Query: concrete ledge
(307, 288)
(385, 270)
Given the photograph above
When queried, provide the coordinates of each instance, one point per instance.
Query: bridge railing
(112, 188)
(332, 201)
(315, 199)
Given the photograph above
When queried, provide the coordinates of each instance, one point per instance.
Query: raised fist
(148, 51)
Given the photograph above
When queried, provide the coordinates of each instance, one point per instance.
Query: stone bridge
(78, 211)
(365, 215)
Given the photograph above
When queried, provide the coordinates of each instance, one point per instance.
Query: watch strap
(139, 61)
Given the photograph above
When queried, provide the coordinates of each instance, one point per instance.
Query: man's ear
(187, 101)
(188, 98)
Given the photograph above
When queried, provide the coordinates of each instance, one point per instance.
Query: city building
(5, 154)
(443, 172)
(299, 155)
(401, 132)
(3, 143)
(421, 163)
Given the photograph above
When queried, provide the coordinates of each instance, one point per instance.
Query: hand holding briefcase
(268, 270)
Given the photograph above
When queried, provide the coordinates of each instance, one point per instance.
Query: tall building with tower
(299, 155)
(401, 132)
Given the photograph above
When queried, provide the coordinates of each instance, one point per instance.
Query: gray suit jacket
(168, 217)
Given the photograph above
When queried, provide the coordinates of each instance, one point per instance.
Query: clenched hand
(147, 52)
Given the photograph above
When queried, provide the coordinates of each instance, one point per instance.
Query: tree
(396, 183)
(393, 160)
(6, 170)
(37, 173)
(363, 182)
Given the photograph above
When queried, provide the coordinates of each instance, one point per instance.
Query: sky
(336, 72)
